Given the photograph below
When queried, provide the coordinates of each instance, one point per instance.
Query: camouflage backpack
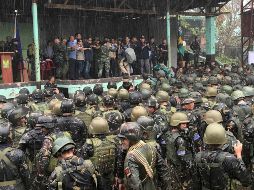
(103, 155)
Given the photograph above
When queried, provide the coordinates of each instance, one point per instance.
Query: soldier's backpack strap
(9, 164)
(59, 177)
(141, 159)
(6, 159)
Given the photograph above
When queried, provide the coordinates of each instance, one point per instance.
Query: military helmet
(135, 98)
(227, 80)
(24, 91)
(98, 89)
(17, 113)
(51, 103)
(80, 99)
(162, 96)
(46, 121)
(213, 116)
(3, 99)
(22, 98)
(98, 126)
(178, 118)
(211, 91)
(145, 122)
(123, 94)
(114, 121)
(112, 92)
(213, 80)
(146, 94)
(7, 107)
(57, 108)
(4, 131)
(248, 91)
(183, 93)
(237, 94)
(130, 131)
(226, 89)
(108, 100)
(215, 134)
(62, 144)
(37, 94)
(112, 84)
(145, 86)
(92, 99)
(152, 102)
(67, 106)
(137, 112)
(198, 86)
(87, 90)
(33, 118)
(165, 87)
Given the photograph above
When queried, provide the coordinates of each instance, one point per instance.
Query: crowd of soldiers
(193, 132)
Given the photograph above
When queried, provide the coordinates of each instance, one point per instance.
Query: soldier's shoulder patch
(127, 171)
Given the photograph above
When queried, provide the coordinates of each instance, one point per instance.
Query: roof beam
(99, 9)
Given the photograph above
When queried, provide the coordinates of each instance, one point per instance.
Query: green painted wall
(25, 31)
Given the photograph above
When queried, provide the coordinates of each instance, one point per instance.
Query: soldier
(98, 90)
(240, 109)
(38, 101)
(87, 90)
(142, 161)
(215, 168)
(211, 93)
(14, 170)
(164, 106)
(70, 123)
(123, 100)
(101, 150)
(17, 117)
(180, 151)
(214, 116)
(151, 106)
(31, 60)
(137, 112)
(109, 109)
(45, 162)
(59, 58)
(72, 172)
(148, 133)
(112, 92)
(104, 60)
(22, 99)
(92, 109)
(135, 99)
(5, 110)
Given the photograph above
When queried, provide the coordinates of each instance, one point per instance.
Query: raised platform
(10, 90)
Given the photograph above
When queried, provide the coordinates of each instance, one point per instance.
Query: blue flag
(17, 37)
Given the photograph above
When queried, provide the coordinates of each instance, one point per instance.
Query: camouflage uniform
(45, 160)
(70, 165)
(59, 60)
(104, 61)
(16, 176)
(31, 59)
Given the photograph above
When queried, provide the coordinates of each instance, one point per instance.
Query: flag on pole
(16, 36)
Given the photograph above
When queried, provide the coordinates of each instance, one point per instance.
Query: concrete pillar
(210, 38)
(36, 40)
(168, 39)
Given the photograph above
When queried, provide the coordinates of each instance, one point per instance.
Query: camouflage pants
(103, 63)
(62, 70)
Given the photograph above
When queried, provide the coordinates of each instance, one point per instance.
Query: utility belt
(8, 183)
